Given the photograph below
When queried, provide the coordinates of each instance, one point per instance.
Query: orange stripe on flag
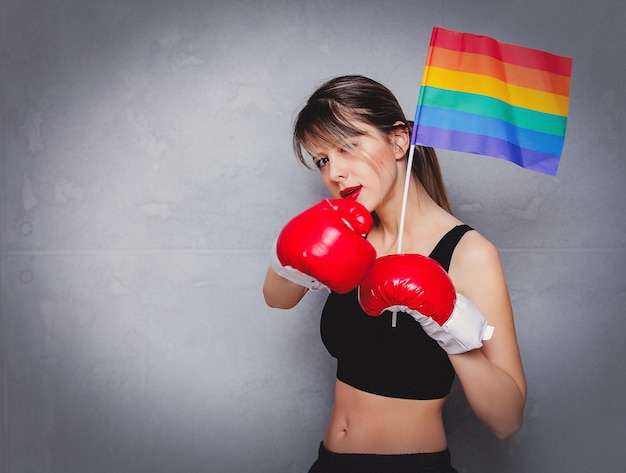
(510, 73)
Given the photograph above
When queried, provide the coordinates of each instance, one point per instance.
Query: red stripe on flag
(509, 53)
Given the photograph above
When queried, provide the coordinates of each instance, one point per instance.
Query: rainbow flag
(482, 96)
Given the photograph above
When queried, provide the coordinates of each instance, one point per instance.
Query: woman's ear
(400, 139)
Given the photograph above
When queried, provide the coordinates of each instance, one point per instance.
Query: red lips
(351, 192)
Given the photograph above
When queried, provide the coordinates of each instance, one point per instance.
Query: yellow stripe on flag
(486, 85)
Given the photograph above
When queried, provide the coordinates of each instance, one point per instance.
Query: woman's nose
(338, 170)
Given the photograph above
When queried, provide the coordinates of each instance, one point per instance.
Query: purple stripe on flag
(484, 145)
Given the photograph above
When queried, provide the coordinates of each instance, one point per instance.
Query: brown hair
(335, 109)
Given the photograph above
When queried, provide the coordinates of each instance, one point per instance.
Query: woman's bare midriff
(367, 423)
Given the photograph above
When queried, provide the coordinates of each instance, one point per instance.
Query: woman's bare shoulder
(474, 248)
(476, 261)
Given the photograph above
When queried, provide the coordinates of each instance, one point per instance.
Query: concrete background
(146, 169)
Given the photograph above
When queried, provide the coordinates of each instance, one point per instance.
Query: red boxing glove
(326, 246)
(419, 286)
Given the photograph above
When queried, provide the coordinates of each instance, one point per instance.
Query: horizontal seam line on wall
(265, 250)
(125, 252)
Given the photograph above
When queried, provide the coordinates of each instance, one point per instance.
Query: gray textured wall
(146, 169)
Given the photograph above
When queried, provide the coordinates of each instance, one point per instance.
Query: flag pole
(405, 196)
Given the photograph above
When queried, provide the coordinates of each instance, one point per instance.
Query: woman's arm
(281, 293)
(492, 377)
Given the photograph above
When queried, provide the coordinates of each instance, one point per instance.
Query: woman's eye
(321, 162)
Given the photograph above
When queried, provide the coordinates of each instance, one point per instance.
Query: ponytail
(427, 170)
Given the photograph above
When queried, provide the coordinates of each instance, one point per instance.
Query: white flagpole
(405, 196)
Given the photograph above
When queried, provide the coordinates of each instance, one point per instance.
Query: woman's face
(363, 168)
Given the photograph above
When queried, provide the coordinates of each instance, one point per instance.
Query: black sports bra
(373, 356)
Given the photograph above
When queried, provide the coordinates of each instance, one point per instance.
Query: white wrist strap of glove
(465, 329)
(292, 274)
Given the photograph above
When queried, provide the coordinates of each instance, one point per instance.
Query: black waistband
(331, 462)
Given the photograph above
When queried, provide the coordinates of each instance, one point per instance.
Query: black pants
(330, 462)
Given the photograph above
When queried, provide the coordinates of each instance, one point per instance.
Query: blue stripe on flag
(488, 146)
(454, 120)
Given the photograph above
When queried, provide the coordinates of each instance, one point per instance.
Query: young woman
(393, 374)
